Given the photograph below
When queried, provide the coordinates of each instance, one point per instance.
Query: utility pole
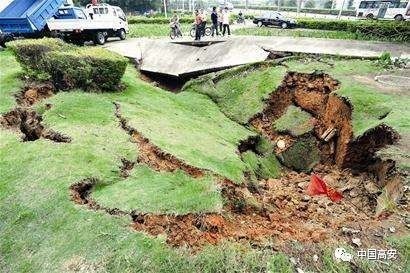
(278, 5)
(341, 8)
(165, 8)
(298, 4)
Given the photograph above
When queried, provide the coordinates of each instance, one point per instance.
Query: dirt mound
(28, 122)
(280, 211)
(332, 113)
(35, 92)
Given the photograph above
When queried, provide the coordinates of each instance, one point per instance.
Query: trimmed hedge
(302, 10)
(69, 66)
(30, 53)
(398, 31)
(158, 20)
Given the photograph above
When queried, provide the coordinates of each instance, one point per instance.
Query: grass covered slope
(176, 124)
(160, 193)
(9, 72)
(42, 230)
(294, 121)
(239, 92)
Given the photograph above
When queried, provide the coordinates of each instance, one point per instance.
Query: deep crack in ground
(279, 209)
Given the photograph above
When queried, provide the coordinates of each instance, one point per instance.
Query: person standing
(225, 21)
(214, 19)
(198, 26)
(203, 25)
(220, 19)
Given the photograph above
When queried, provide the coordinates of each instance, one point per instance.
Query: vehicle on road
(274, 19)
(382, 9)
(58, 18)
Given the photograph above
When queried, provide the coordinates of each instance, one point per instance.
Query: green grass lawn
(42, 230)
(154, 30)
(312, 33)
(239, 92)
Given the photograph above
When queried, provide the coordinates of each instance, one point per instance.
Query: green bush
(69, 66)
(398, 31)
(30, 52)
(302, 10)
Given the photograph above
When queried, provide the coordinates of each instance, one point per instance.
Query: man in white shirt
(225, 21)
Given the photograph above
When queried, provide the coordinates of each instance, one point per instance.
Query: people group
(219, 20)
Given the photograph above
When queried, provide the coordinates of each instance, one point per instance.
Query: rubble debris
(317, 187)
(387, 200)
(357, 242)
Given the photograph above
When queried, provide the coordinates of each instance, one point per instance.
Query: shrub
(70, 66)
(398, 31)
(30, 52)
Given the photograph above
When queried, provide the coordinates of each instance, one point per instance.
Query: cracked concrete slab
(184, 59)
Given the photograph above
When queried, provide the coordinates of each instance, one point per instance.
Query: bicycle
(175, 32)
(205, 32)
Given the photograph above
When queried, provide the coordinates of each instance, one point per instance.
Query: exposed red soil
(151, 155)
(34, 92)
(313, 93)
(280, 212)
(29, 123)
(275, 210)
(159, 160)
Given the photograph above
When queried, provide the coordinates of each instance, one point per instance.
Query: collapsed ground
(257, 206)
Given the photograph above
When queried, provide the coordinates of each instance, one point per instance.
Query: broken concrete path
(163, 56)
(179, 60)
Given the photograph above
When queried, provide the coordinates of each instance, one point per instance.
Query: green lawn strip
(10, 84)
(312, 33)
(240, 92)
(295, 121)
(154, 30)
(146, 190)
(176, 124)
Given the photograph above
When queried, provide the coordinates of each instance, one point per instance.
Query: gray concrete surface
(163, 56)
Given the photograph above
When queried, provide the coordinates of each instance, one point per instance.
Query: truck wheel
(399, 17)
(260, 24)
(284, 25)
(122, 34)
(99, 38)
(370, 16)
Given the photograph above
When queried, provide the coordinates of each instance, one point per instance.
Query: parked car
(274, 19)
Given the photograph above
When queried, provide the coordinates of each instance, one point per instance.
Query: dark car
(274, 19)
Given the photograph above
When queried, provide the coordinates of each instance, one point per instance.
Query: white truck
(59, 18)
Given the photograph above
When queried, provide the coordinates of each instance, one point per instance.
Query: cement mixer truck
(60, 18)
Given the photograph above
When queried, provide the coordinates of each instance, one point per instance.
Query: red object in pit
(317, 186)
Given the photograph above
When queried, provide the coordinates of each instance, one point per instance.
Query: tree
(310, 4)
(328, 4)
(290, 3)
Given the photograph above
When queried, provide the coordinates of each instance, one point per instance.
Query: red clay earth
(26, 120)
(276, 211)
(267, 214)
(313, 93)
